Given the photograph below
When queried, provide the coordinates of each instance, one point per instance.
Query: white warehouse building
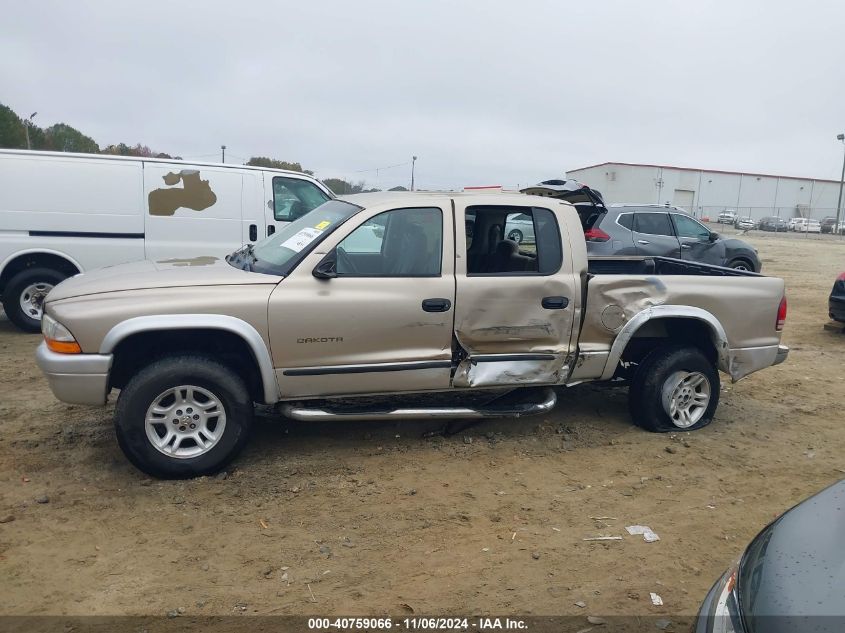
(708, 192)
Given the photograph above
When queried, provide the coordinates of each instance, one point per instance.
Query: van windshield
(277, 254)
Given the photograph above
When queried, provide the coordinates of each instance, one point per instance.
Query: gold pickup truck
(399, 305)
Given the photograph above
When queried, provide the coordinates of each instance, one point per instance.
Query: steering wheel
(344, 261)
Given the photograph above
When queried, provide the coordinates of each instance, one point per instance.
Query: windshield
(277, 254)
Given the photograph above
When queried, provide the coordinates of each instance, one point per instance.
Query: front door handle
(685, 246)
(643, 242)
(554, 303)
(436, 305)
(253, 232)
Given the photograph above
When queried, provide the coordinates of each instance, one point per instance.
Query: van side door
(191, 210)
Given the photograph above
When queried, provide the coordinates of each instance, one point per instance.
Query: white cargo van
(62, 214)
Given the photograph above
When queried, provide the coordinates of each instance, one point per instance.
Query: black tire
(742, 264)
(645, 395)
(156, 378)
(516, 236)
(16, 287)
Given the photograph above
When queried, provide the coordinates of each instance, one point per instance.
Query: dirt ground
(373, 519)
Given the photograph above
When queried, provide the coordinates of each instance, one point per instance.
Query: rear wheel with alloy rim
(516, 236)
(675, 388)
(183, 416)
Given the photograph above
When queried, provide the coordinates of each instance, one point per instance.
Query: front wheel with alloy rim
(23, 297)
(741, 264)
(516, 236)
(675, 388)
(183, 416)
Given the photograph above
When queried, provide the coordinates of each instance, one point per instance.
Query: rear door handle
(685, 246)
(643, 242)
(271, 228)
(253, 232)
(436, 305)
(554, 303)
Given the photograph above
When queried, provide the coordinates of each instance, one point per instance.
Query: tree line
(18, 133)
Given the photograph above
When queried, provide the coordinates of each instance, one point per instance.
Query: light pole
(413, 165)
(26, 124)
(840, 137)
(223, 149)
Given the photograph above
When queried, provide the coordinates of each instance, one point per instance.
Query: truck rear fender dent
(717, 334)
(226, 323)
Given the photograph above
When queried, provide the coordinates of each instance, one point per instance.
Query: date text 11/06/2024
(417, 623)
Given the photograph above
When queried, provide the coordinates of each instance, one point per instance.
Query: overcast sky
(486, 92)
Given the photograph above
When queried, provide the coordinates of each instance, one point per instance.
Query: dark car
(791, 578)
(772, 223)
(827, 224)
(662, 231)
(836, 303)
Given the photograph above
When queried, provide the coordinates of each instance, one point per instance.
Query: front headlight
(720, 611)
(58, 337)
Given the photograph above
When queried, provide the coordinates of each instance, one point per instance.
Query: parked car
(836, 303)
(727, 217)
(662, 231)
(745, 224)
(827, 224)
(807, 225)
(790, 579)
(519, 227)
(63, 214)
(291, 322)
(793, 222)
(773, 223)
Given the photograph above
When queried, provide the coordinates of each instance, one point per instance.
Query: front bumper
(75, 378)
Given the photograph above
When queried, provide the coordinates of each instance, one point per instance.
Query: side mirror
(714, 237)
(326, 269)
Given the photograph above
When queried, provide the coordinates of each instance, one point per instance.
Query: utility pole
(26, 124)
(840, 137)
(659, 183)
(413, 164)
(223, 149)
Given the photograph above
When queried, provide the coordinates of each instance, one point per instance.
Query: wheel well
(742, 258)
(36, 260)
(692, 332)
(138, 350)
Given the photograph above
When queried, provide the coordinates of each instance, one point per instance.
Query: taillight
(781, 315)
(841, 277)
(596, 235)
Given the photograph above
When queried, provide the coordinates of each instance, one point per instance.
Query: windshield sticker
(322, 225)
(301, 239)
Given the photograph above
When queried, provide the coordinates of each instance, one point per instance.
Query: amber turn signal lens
(64, 347)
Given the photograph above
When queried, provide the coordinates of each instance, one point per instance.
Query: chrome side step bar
(305, 414)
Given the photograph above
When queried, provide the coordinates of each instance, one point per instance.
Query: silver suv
(661, 231)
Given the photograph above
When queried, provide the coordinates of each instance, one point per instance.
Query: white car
(727, 217)
(62, 214)
(807, 225)
(519, 227)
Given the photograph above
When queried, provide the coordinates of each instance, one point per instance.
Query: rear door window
(653, 224)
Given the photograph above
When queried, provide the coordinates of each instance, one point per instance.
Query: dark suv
(663, 231)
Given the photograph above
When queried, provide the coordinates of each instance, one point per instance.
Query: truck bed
(644, 265)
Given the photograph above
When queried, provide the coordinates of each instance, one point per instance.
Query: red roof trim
(707, 171)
